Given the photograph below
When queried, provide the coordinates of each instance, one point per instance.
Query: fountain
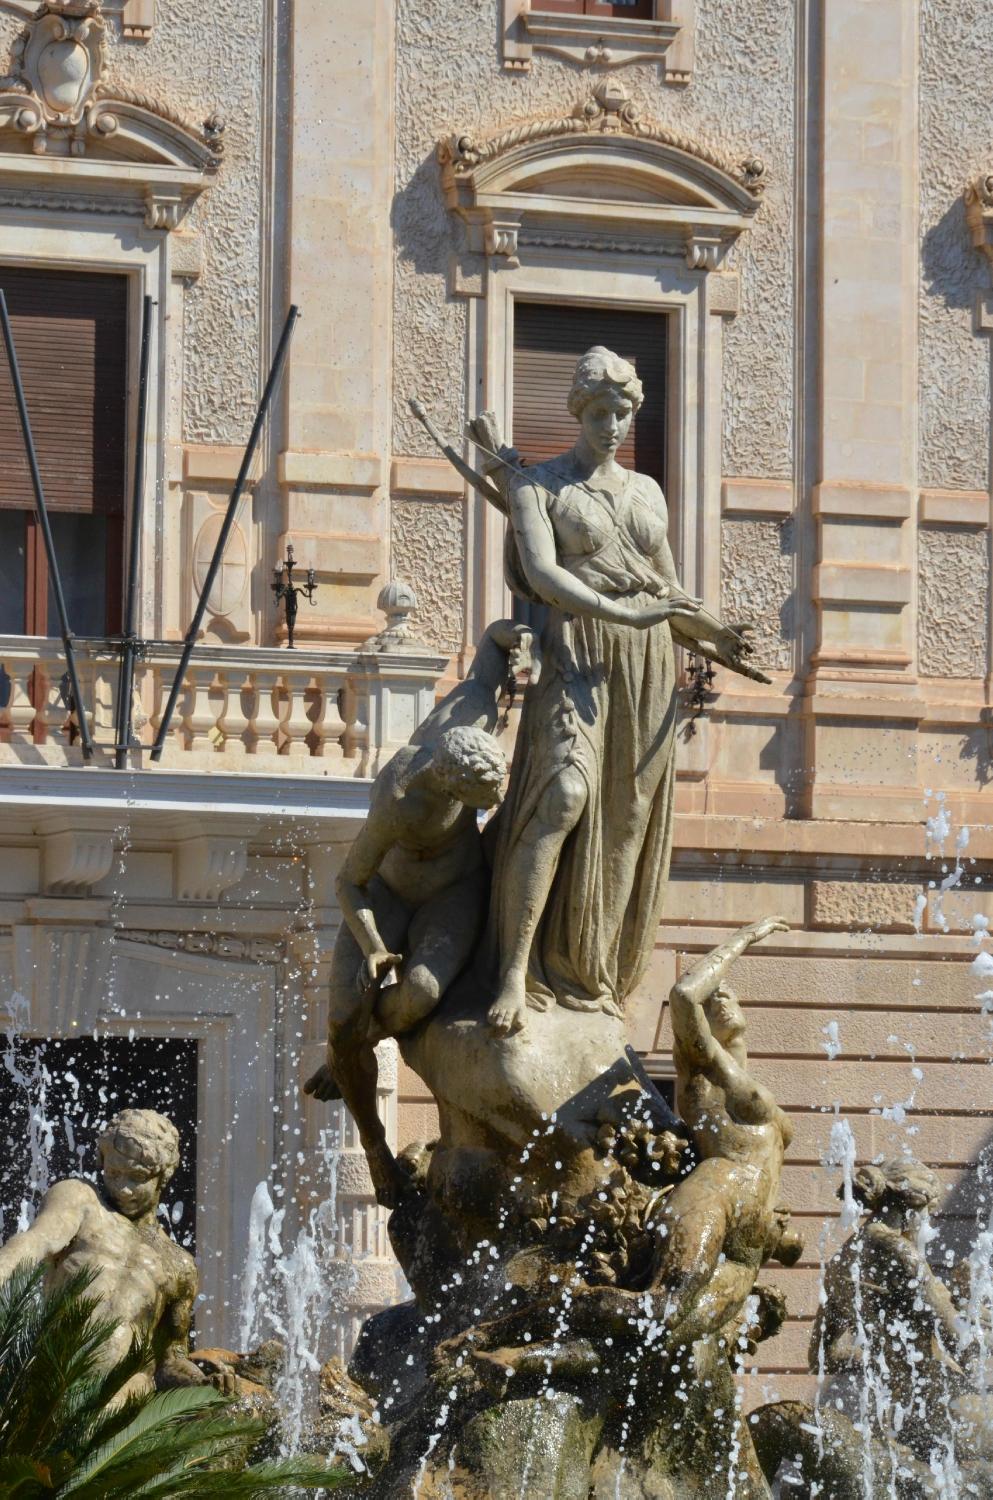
(583, 1260)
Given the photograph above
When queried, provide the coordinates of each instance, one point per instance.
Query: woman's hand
(643, 616)
(733, 648)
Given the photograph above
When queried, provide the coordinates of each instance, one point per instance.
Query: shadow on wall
(950, 271)
(966, 1209)
(978, 747)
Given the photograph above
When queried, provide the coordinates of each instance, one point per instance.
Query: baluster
(52, 715)
(148, 711)
(265, 731)
(329, 726)
(295, 723)
(88, 685)
(232, 722)
(20, 712)
(99, 685)
(199, 712)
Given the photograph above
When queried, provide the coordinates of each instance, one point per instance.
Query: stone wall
(956, 144)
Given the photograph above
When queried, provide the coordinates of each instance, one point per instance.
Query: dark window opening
(548, 340)
(56, 1096)
(71, 333)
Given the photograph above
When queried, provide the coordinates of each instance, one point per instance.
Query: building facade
(783, 213)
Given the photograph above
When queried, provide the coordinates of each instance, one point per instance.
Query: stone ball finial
(397, 601)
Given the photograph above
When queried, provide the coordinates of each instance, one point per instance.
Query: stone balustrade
(242, 708)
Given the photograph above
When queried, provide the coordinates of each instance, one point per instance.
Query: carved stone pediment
(90, 139)
(598, 172)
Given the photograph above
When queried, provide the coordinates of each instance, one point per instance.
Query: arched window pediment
(602, 168)
(68, 137)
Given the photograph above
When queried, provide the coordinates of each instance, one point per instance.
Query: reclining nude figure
(721, 1222)
(413, 890)
(144, 1280)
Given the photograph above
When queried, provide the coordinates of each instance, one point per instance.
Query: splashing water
(293, 1291)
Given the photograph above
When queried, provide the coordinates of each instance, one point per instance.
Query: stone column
(334, 469)
(862, 705)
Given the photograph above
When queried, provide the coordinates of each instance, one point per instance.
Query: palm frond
(152, 1424)
(61, 1433)
(55, 1342)
(275, 1478)
(24, 1479)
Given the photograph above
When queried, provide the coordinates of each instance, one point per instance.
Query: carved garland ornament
(56, 95)
(728, 194)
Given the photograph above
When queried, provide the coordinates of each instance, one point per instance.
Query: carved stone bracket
(206, 867)
(57, 97)
(138, 18)
(76, 861)
(667, 193)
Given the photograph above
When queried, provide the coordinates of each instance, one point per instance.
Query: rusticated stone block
(884, 906)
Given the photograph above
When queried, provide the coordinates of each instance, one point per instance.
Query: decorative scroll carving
(609, 108)
(56, 95)
(691, 199)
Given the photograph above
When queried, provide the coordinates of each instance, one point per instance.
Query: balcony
(242, 709)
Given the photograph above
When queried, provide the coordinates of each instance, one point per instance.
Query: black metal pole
(215, 562)
(54, 576)
(129, 643)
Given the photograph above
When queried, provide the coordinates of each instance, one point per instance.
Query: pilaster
(334, 470)
(862, 705)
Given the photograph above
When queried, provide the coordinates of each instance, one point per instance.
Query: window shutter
(548, 340)
(70, 329)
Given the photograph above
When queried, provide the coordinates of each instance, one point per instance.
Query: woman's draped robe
(604, 704)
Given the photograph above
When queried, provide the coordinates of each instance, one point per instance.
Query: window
(548, 340)
(644, 9)
(610, 32)
(71, 334)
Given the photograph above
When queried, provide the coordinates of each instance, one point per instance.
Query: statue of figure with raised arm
(721, 1222)
(413, 889)
(585, 835)
(145, 1281)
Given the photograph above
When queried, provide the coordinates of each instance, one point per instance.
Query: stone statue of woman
(585, 835)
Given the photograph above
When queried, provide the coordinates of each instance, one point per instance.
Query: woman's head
(599, 370)
(605, 395)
